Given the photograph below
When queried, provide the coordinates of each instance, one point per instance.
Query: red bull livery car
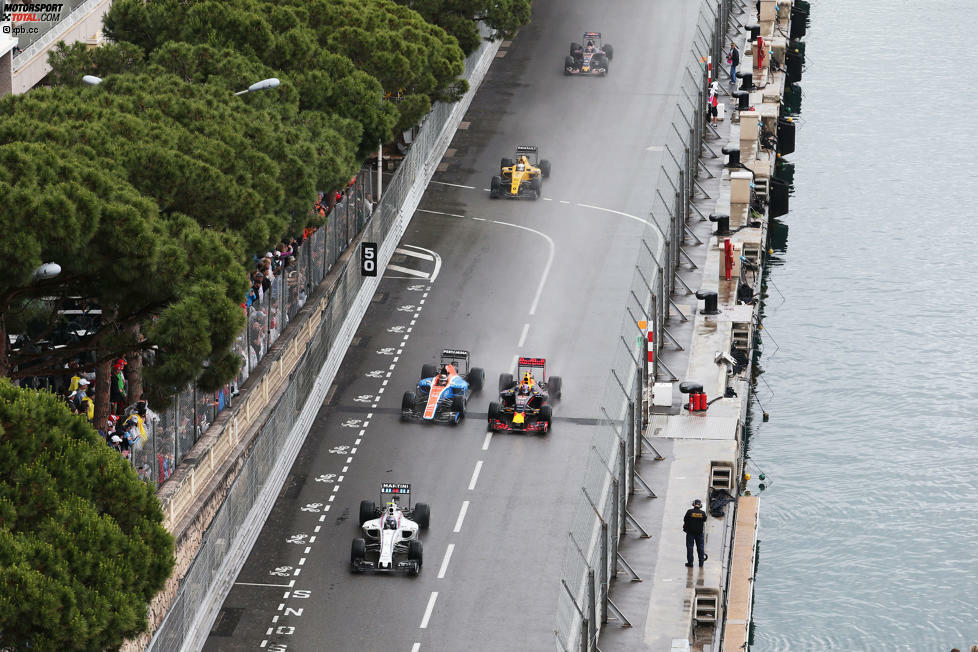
(524, 402)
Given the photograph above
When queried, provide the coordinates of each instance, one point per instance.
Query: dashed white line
(416, 647)
(325, 509)
(349, 460)
(264, 643)
(384, 384)
(302, 560)
(274, 619)
(444, 562)
(322, 518)
(354, 450)
(340, 479)
(281, 606)
(547, 199)
(481, 219)
(335, 488)
(317, 528)
(392, 367)
(526, 329)
(564, 201)
(312, 539)
(485, 443)
(429, 609)
(345, 468)
(461, 516)
(475, 475)
(307, 550)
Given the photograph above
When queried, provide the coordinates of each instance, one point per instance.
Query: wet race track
(500, 279)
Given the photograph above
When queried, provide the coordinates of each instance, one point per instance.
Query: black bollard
(754, 31)
(743, 100)
(746, 80)
(734, 153)
(723, 223)
(709, 298)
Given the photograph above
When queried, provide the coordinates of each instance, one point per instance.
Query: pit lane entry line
(550, 255)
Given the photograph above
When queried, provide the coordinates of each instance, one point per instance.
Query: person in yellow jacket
(87, 407)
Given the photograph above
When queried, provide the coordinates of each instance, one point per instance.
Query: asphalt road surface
(543, 278)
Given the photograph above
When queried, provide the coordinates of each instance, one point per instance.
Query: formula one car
(390, 531)
(524, 405)
(593, 58)
(522, 177)
(444, 389)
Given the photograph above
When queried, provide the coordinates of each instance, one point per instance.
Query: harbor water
(869, 522)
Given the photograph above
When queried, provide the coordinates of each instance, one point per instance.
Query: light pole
(263, 85)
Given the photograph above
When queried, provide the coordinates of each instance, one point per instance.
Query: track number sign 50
(368, 259)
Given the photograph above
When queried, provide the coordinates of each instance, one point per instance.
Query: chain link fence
(599, 519)
(177, 630)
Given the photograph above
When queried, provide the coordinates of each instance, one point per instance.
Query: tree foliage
(82, 545)
(460, 18)
(341, 55)
(150, 192)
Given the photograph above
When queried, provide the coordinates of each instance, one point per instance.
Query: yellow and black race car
(520, 177)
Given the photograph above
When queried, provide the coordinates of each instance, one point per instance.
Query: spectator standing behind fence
(734, 60)
(117, 388)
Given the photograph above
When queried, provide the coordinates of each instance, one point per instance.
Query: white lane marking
(429, 609)
(481, 219)
(322, 518)
(608, 210)
(546, 268)
(444, 562)
(345, 468)
(461, 516)
(485, 444)
(281, 586)
(475, 475)
(526, 328)
(274, 619)
(265, 642)
(546, 199)
(425, 210)
(405, 270)
(416, 647)
(307, 550)
(408, 252)
(349, 460)
(453, 185)
(434, 254)
(564, 201)
(302, 560)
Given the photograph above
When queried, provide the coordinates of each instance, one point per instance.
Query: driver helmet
(527, 378)
(443, 379)
(390, 523)
(590, 47)
(520, 167)
(524, 389)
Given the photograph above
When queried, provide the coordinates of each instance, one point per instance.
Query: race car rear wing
(526, 148)
(394, 492)
(592, 35)
(531, 363)
(456, 355)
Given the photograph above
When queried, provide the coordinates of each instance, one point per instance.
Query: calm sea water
(869, 528)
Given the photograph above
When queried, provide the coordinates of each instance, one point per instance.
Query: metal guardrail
(600, 517)
(181, 626)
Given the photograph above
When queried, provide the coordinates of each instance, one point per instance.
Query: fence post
(592, 630)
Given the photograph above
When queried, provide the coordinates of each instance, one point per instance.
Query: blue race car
(443, 390)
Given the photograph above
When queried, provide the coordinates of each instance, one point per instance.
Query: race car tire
(495, 187)
(494, 413)
(368, 510)
(554, 385)
(416, 551)
(421, 515)
(428, 370)
(575, 48)
(537, 184)
(546, 415)
(505, 381)
(608, 51)
(458, 406)
(506, 163)
(568, 63)
(407, 404)
(545, 168)
(358, 550)
(476, 378)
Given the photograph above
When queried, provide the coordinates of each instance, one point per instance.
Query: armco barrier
(217, 503)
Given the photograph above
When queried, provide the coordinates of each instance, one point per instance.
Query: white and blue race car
(443, 390)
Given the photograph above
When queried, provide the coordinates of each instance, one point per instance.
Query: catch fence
(600, 514)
